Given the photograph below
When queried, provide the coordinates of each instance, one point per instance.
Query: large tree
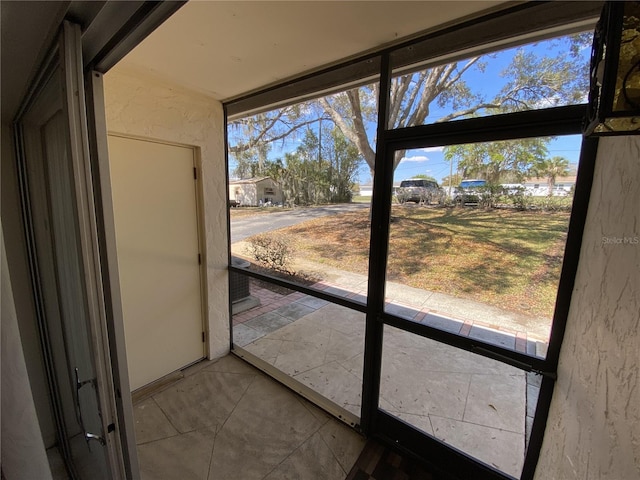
(554, 73)
(506, 161)
(322, 169)
(547, 77)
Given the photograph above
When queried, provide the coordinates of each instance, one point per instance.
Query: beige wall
(140, 106)
(593, 430)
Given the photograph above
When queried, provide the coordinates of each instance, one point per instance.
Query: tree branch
(467, 111)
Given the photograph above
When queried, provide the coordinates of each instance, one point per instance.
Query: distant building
(366, 190)
(539, 186)
(255, 191)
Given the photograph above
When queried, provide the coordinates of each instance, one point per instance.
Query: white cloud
(417, 158)
(431, 149)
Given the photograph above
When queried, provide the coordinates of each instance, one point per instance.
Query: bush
(488, 195)
(271, 251)
(553, 204)
(517, 196)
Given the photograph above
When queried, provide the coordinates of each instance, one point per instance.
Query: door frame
(116, 419)
(116, 28)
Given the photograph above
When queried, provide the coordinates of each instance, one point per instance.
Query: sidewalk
(452, 314)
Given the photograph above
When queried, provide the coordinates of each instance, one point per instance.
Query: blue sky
(431, 161)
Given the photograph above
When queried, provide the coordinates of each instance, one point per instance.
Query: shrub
(272, 251)
(517, 196)
(553, 204)
(488, 195)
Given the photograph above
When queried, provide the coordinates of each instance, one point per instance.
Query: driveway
(246, 227)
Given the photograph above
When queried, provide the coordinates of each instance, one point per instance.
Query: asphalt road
(246, 227)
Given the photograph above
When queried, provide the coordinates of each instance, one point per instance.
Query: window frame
(498, 30)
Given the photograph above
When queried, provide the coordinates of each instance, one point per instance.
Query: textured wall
(593, 430)
(140, 106)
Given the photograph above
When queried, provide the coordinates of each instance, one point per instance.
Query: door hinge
(195, 173)
(203, 338)
(199, 259)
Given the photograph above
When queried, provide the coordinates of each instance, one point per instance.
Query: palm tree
(552, 168)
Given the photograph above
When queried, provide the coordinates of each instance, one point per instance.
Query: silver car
(419, 190)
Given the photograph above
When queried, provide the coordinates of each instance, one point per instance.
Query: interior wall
(593, 429)
(23, 453)
(18, 268)
(141, 106)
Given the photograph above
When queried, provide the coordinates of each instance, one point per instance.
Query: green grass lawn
(506, 258)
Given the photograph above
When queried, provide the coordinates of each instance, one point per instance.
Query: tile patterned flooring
(227, 420)
(476, 404)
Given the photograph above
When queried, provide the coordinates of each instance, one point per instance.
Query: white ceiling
(228, 48)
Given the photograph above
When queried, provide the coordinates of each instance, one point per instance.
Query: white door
(155, 212)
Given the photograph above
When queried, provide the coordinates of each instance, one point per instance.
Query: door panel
(155, 215)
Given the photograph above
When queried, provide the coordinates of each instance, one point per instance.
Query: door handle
(90, 436)
(87, 436)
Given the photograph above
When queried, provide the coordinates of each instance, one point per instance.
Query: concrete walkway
(478, 405)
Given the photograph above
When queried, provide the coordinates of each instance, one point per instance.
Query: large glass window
(476, 248)
(468, 239)
(549, 73)
(300, 189)
(300, 192)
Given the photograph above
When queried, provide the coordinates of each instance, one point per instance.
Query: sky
(431, 161)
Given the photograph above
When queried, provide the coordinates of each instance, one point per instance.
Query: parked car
(469, 191)
(419, 190)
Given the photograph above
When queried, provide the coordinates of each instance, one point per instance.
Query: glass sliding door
(62, 230)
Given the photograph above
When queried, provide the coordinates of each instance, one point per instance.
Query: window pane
(544, 74)
(479, 253)
(300, 189)
(480, 406)
(315, 342)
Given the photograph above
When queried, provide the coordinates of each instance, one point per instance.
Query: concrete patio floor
(478, 405)
(225, 419)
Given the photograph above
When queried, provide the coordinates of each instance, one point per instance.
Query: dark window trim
(532, 123)
(436, 454)
(337, 299)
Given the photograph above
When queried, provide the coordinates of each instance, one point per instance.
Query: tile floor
(476, 404)
(226, 420)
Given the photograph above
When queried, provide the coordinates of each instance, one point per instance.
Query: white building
(255, 191)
